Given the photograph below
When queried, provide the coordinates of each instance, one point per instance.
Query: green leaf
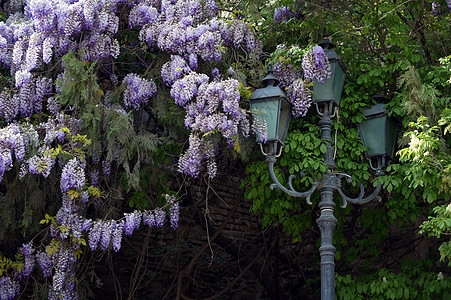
(406, 293)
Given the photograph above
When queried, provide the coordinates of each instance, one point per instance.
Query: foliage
(412, 282)
(386, 52)
(98, 100)
(88, 105)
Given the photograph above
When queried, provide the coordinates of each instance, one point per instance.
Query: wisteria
(174, 70)
(44, 133)
(41, 163)
(95, 234)
(149, 218)
(29, 260)
(8, 288)
(73, 175)
(286, 73)
(300, 97)
(15, 139)
(63, 283)
(106, 168)
(116, 235)
(210, 107)
(285, 13)
(174, 211)
(45, 262)
(138, 91)
(160, 216)
(316, 65)
(132, 222)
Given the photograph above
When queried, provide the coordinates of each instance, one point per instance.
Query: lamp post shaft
(327, 221)
(329, 183)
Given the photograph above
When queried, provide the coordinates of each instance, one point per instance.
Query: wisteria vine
(34, 40)
(314, 66)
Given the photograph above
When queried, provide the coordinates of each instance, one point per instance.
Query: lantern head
(271, 110)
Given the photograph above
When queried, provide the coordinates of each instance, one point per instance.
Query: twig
(231, 284)
(187, 271)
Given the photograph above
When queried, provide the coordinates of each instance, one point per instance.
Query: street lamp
(270, 106)
(332, 87)
(378, 133)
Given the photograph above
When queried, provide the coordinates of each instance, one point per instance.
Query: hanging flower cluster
(188, 30)
(59, 259)
(285, 13)
(210, 107)
(316, 65)
(8, 288)
(138, 91)
(300, 98)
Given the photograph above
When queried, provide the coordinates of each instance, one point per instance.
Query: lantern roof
(377, 109)
(270, 89)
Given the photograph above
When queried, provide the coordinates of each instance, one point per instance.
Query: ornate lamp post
(378, 133)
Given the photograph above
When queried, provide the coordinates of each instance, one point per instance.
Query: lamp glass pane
(284, 120)
(373, 135)
(267, 111)
(325, 91)
(391, 137)
(339, 82)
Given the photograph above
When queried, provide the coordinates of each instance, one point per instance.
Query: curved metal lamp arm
(360, 199)
(290, 191)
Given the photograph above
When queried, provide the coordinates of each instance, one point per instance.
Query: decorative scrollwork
(360, 199)
(290, 190)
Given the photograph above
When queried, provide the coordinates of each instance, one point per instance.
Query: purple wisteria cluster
(190, 29)
(138, 91)
(63, 281)
(283, 69)
(14, 142)
(200, 149)
(45, 262)
(42, 162)
(9, 288)
(61, 262)
(58, 260)
(438, 9)
(46, 30)
(73, 175)
(186, 88)
(174, 69)
(106, 168)
(285, 13)
(29, 261)
(69, 222)
(300, 97)
(174, 210)
(316, 65)
(104, 233)
(211, 107)
(27, 101)
(287, 73)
